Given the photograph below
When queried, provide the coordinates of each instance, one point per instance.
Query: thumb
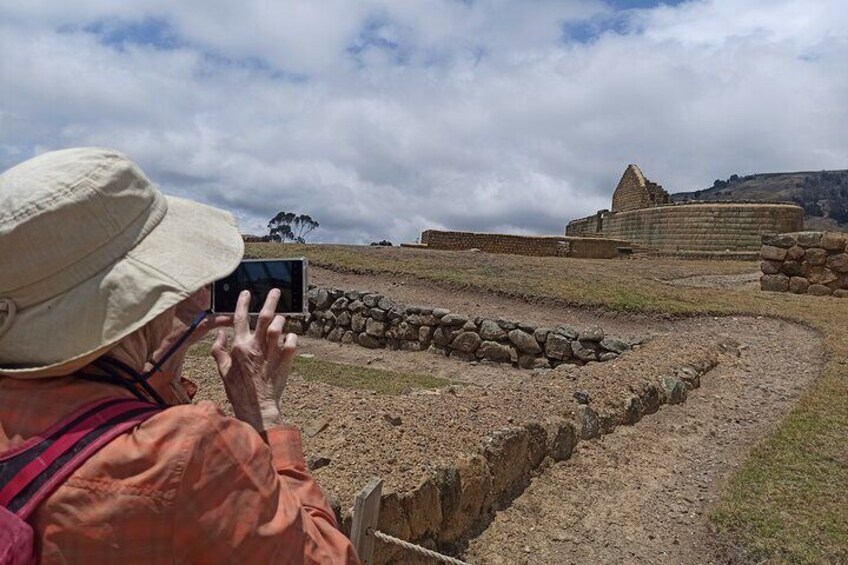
(219, 352)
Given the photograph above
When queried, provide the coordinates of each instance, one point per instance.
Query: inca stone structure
(805, 263)
(375, 321)
(642, 214)
(536, 246)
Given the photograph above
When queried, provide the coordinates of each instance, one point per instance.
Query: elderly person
(103, 286)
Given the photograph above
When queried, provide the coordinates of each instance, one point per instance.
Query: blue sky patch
(154, 32)
(371, 36)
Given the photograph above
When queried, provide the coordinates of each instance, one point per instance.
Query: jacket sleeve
(241, 500)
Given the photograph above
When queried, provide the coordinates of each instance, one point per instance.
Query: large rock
(425, 334)
(467, 342)
(567, 332)
(561, 440)
(541, 334)
(337, 334)
(840, 293)
(377, 314)
(494, 351)
(795, 253)
(674, 389)
(819, 290)
(586, 422)
(592, 333)
(838, 262)
(507, 454)
(771, 253)
(371, 300)
(368, 341)
(475, 486)
(343, 319)
(452, 319)
(784, 240)
(444, 335)
(490, 330)
(816, 256)
(833, 241)
(822, 275)
(614, 345)
(790, 268)
(770, 267)
(322, 299)
(385, 304)
(524, 341)
(357, 322)
(809, 239)
(339, 305)
(557, 347)
(798, 285)
(375, 328)
(423, 508)
(774, 283)
(585, 350)
(537, 441)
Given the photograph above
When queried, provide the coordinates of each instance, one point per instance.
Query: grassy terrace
(789, 501)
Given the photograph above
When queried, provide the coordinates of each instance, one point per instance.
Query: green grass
(341, 375)
(364, 378)
(789, 501)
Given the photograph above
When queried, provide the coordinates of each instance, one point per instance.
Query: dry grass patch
(788, 501)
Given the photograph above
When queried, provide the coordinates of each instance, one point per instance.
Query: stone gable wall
(537, 246)
(693, 227)
(634, 191)
(805, 263)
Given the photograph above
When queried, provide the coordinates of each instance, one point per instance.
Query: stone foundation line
(375, 321)
(805, 263)
(458, 502)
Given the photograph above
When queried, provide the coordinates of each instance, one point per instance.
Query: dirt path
(642, 494)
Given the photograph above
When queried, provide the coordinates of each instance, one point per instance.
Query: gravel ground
(618, 499)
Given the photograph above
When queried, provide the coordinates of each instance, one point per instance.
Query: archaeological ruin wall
(693, 227)
(374, 321)
(805, 263)
(536, 246)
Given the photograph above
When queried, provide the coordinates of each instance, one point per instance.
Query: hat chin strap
(113, 367)
(8, 310)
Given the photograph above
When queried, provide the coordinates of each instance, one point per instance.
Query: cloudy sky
(383, 118)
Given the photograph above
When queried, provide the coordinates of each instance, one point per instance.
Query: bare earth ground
(638, 495)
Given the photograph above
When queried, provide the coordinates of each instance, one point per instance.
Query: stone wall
(693, 227)
(805, 263)
(634, 191)
(538, 246)
(375, 321)
(457, 501)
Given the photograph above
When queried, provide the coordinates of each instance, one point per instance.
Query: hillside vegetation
(822, 194)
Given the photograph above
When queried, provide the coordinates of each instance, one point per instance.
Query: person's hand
(258, 365)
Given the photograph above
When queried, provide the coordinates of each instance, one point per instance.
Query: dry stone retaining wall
(538, 246)
(805, 263)
(375, 321)
(693, 227)
(458, 501)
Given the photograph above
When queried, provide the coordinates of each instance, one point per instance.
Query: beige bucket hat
(91, 251)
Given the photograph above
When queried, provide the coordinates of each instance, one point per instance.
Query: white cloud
(381, 119)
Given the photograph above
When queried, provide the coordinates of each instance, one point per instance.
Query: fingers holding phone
(255, 370)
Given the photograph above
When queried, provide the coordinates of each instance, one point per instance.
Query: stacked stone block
(694, 227)
(536, 246)
(375, 321)
(805, 263)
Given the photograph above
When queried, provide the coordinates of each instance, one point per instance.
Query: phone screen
(259, 276)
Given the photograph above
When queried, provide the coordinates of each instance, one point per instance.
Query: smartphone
(259, 276)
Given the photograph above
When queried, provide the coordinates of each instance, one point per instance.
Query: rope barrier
(416, 548)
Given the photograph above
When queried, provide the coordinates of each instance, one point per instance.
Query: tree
(288, 226)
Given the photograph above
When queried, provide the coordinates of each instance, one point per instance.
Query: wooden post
(366, 511)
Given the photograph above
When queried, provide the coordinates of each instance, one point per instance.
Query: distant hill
(822, 194)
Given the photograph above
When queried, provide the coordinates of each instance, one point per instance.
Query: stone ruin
(643, 214)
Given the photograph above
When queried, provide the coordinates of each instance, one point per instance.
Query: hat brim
(192, 246)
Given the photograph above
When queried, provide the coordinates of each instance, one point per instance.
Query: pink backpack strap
(31, 472)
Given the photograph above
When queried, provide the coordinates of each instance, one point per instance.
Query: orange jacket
(189, 485)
